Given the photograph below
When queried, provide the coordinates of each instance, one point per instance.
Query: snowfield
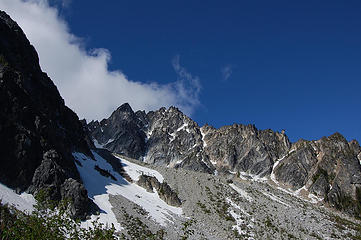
(135, 170)
(24, 202)
(100, 187)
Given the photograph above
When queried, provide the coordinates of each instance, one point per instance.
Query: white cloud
(83, 78)
(226, 72)
(187, 86)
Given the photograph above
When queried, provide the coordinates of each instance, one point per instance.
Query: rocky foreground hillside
(38, 133)
(231, 207)
(329, 168)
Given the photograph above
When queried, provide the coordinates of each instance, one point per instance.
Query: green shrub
(44, 223)
(3, 61)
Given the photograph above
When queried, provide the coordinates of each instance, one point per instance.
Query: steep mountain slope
(38, 132)
(328, 168)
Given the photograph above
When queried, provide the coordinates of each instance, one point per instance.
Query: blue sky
(276, 64)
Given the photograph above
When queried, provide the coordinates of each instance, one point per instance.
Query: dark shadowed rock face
(37, 131)
(329, 168)
(121, 132)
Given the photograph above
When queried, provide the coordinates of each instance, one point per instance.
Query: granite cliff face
(163, 137)
(37, 131)
(168, 137)
(244, 148)
(328, 168)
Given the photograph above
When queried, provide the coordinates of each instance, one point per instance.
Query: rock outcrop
(328, 168)
(244, 148)
(121, 133)
(164, 191)
(37, 131)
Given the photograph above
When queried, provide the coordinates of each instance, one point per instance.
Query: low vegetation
(48, 221)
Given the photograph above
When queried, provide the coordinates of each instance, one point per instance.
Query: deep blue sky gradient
(296, 64)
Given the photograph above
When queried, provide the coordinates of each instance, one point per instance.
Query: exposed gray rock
(296, 166)
(164, 191)
(244, 148)
(77, 194)
(163, 137)
(168, 195)
(328, 167)
(49, 175)
(173, 139)
(148, 182)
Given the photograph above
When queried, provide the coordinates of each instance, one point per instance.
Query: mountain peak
(125, 107)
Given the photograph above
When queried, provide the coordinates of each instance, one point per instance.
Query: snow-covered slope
(100, 187)
(23, 202)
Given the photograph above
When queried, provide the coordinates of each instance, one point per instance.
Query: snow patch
(252, 177)
(149, 134)
(97, 186)
(237, 207)
(213, 162)
(100, 187)
(273, 177)
(242, 192)
(174, 163)
(314, 199)
(276, 199)
(172, 137)
(174, 134)
(24, 202)
(204, 141)
(298, 193)
(241, 222)
(135, 170)
(98, 145)
(184, 126)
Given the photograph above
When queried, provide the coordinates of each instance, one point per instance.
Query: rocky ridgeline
(328, 168)
(168, 137)
(38, 132)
